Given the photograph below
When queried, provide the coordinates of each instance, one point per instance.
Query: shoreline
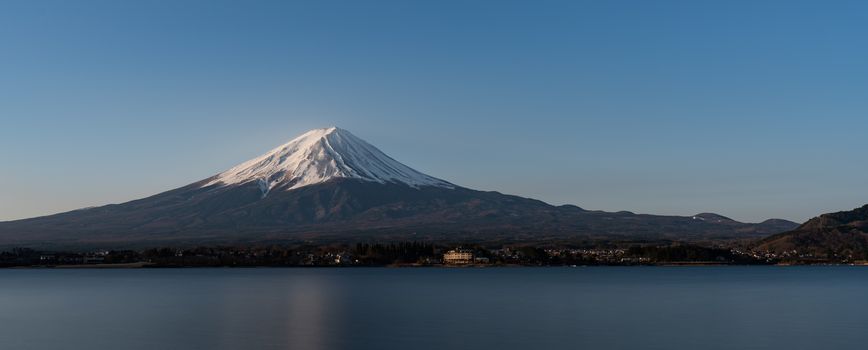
(148, 265)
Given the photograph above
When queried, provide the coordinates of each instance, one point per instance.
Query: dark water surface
(498, 308)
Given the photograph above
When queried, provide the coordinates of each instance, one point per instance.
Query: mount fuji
(329, 185)
(319, 156)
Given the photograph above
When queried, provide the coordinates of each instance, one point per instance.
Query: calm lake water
(495, 308)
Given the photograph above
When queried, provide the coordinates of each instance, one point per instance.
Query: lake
(430, 308)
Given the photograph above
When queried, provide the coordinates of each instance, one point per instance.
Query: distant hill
(329, 184)
(841, 234)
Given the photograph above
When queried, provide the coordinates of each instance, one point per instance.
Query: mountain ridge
(842, 234)
(329, 183)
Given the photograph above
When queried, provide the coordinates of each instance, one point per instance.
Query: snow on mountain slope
(318, 156)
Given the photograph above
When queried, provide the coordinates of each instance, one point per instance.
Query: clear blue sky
(751, 109)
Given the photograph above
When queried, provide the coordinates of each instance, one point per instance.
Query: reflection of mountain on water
(293, 310)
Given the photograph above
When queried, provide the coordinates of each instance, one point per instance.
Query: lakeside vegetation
(410, 254)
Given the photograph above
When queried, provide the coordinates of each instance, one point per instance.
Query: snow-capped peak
(318, 156)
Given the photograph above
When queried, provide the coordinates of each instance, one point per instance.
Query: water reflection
(290, 311)
(324, 309)
(312, 310)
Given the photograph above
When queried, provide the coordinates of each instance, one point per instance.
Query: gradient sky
(751, 109)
